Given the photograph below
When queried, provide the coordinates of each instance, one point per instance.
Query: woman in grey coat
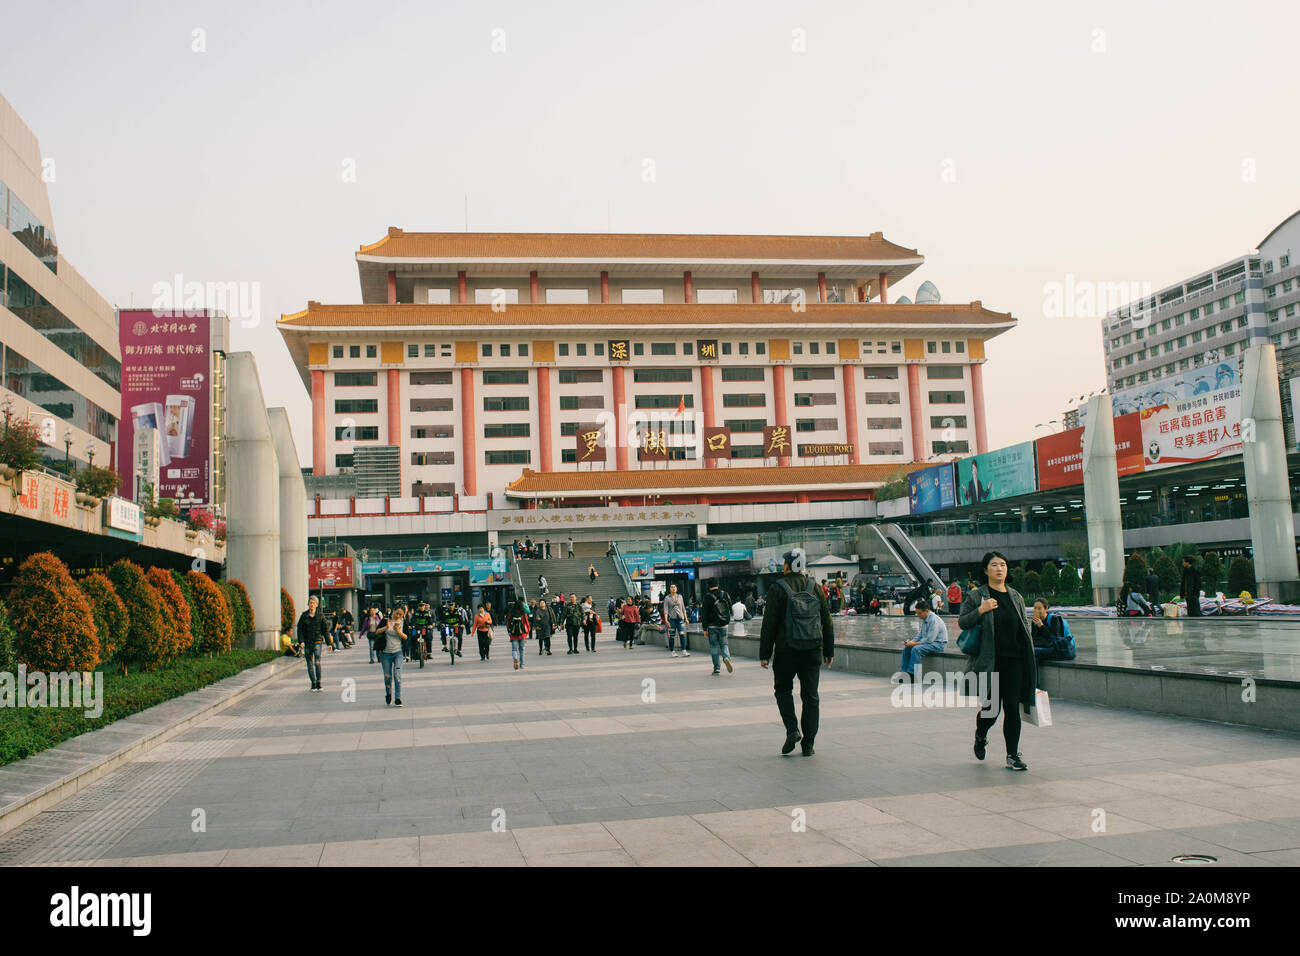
(1006, 652)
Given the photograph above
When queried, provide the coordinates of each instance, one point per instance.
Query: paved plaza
(637, 758)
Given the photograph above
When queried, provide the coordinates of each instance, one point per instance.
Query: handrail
(622, 570)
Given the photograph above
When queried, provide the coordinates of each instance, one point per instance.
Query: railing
(622, 570)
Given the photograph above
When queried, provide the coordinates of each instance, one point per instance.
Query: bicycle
(422, 647)
(451, 645)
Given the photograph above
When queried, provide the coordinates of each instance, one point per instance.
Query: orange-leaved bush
(54, 628)
(239, 593)
(111, 619)
(175, 608)
(147, 641)
(212, 611)
(196, 623)
(287, 616)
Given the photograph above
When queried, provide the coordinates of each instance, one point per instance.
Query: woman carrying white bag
(994, 614)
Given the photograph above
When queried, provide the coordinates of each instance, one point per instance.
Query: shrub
(211, 615)
(53, 623)
(1241, 577)
(220, 532)
(235, 608)
(1031, 585)
(1168, 574)
(147, 640)
(287, 615)
(1051, 577)
(111, 619)
(20, 442)
(175, 608)
(199, 520)
(1135, 572)
(196, 624)
(98, 482)
(1211, 573)
(250, 619)
(1076, 553)
(7, 662)
(1068, 582)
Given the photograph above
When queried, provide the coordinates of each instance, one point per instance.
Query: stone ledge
(43, 780)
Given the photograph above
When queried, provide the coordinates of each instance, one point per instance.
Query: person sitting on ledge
(931, 639)
(1051, 634)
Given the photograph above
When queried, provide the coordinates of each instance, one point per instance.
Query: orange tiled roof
(614, 246)
(618, 315)
(578, 483)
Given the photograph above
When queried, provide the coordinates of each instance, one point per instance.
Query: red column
(884, 289)
(851, 412)
(977, 398)
(604, 286)
(532, 287)
(544, 415)
(392, 286)
(317, 421)
(862, 293)
(689, 288)
(394, 406)
(755, 288)
(914, 404)
(821, 287)
(778, 399)
(468, 432)
(462, 291)
(620, 419)
(706, 399)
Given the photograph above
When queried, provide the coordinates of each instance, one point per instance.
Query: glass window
(442, 377)
(564, 348)
(663, 348)
(506, 403)
(507, 430)
(742, 374)
(487, 350)
(744, 400)
(599, 349)
(338, 351)
(356, 406)
(505, 376)
(571, 402)
(814, 348)
(830, 348)
(943, 371)
(358, 433)
(523, 350)
(638, 348)
(354, 351)
(345, 379)
(572, 376)
(582, 348)
(412, 351)
(662, 375)
(798, 348)
(505, 350)
(372, 351)
(760, 348)
(513, 456)
(947, 398)
(431, 351)
(744, 348)
(665, 401)
(726, 348)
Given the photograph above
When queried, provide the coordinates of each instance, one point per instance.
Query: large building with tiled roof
(557, 369)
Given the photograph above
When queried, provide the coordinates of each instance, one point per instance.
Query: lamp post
(67, 450)
(90, 454)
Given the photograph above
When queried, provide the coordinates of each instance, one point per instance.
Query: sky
(1020, 147)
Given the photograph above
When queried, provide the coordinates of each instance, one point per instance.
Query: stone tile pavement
(627, 758)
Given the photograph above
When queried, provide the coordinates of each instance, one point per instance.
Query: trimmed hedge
(53, 623)
(111, 619)
(147, 642)
(235, 608)
(247, 621)
(196, 625)
(7, 661)
(287, 616)
(175, 609)
(212, 623)
(25, 731)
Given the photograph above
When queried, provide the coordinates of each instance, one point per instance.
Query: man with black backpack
(797, 625)
(715, 615)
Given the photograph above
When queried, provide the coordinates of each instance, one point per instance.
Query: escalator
(908, 556)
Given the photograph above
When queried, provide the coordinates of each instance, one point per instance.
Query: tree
(176, 608)
(147, 641)
(111, 619)
(1211, 573)
(1168, 574)
(287, 615)
(20, 442)
(1031, 585)
(894, 487)
(212, 614)
(196, 623)
(1241, 576)
(1135, 572)
(97, 482)
(1076, 553)
(1068, 585)
(54, 627)
(241, 609)
(1051, 577)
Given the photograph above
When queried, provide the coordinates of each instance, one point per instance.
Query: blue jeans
(718, 645)
(312, 652)
(392, 665)
(912, 655)
(517, 650)
(676, 628)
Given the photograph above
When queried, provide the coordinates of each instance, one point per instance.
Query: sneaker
(715, 673)
(808, 751)
(548, 653)
(516, 665)
(980, 744)
(674, 653)
(398, 702)
(1015, 763)
(686, 653)
(790, 741)
(388, 698)
(727, 661)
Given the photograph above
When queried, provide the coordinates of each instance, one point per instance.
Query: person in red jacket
(628, 618)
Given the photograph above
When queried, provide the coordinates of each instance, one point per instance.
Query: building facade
(60, 363)
(480, 361)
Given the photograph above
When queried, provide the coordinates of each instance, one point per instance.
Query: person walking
(1190, 591)
(1005, 659)
(570, 545)
(930, 639)
(797, 626)
(542, 586)
(629, 618)
(715, 615)
(483, 630)
(365, 630)
(675, 617)
(572, 622)
(1153, 587)
(391, 658)
(590, 621)
(543, 626)
(954, 597)
(517, 628)
(313, 634)
(612, 607)
(591, 573)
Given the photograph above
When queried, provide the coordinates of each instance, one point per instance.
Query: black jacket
(710, 619)
(1191, 584)
(773, 636)
(543, 622)
(313, 630)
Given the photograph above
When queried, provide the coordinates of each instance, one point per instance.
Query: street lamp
(67, 450)
(90, 454)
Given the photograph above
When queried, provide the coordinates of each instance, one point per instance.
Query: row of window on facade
(648, 296)
(597, 349)
(1183, 341)
(19, 221)
(1165, 325)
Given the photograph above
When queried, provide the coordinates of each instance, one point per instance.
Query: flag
(681, 406)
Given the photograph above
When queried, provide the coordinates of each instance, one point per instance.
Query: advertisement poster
(165, 386)
(1201, 428)
(994, 475)
(1060, 457)
(931, 489)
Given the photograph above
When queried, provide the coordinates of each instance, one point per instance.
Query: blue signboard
(481, 570)
(643, 565)
(931, 489)
(1004, 473)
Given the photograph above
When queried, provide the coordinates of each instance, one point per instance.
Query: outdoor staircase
(570, 575)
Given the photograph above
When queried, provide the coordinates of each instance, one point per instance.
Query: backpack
(1063, 646)
(515, 625)
(719, 607)
(803, 618)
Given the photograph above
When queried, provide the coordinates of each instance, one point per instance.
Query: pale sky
(1013, 144)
